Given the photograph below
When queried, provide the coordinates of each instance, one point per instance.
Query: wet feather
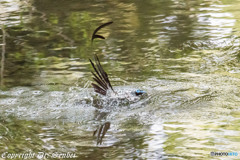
(100, 77)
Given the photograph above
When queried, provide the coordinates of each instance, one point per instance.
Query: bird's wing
(100, 77)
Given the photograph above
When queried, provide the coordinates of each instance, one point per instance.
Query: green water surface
(184, 53)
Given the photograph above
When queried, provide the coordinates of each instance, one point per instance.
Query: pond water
(184, 53)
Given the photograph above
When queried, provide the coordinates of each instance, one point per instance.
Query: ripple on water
(184, 54)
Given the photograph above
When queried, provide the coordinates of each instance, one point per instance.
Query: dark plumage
(95, 35)
(100, 77)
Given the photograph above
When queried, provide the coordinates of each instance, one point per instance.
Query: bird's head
(139, 92)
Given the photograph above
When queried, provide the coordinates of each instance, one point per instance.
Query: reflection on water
(101, 131)
(185, 54)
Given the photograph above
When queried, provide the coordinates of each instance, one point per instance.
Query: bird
(102, 83)
(102, 86)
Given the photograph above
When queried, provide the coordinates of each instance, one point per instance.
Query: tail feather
(95, 35)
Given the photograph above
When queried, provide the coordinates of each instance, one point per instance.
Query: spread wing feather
(100, 77)
(103, 73)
